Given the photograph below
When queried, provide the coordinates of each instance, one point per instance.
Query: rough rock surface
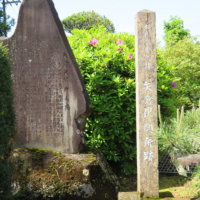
(45, 174)
(52, 103)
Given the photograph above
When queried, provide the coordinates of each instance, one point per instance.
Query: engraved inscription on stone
(50, 94)
(146, 103)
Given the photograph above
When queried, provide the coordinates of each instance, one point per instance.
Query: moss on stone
(50, 174)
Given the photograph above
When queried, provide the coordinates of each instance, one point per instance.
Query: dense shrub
(184, 58)
(109, 76)
(108, 69)
(165, 91)
(7, 124)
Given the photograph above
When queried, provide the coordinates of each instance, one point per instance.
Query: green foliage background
(166, 94)
(183, 58)
(174, 30)
(180, 55)
(7, 124)
(86, 20)
(109, 76)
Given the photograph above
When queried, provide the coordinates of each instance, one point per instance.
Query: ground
(172, 186)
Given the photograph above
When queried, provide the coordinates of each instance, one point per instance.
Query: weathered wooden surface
(146, 99)
(52, 103)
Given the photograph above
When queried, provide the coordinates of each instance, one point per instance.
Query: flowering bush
(109, 75)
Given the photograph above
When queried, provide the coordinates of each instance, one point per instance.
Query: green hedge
(7, 124)
(109, 76)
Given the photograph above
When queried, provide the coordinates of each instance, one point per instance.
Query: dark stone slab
(52, 103)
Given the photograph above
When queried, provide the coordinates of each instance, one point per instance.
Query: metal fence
(172, 166)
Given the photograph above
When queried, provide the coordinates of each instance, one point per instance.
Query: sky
(122, 12)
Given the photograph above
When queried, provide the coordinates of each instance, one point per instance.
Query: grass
(170, 187)
(178, 187)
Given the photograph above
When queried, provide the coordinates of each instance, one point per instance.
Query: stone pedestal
(51, 175)
(128, 196)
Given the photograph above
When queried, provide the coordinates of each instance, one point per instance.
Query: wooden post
(146, 100)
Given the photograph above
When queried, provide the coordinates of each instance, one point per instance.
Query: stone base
(128, 196)
(186, 163)
(45, 174)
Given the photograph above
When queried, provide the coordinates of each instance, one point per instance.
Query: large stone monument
(146, 103)
(52, 103)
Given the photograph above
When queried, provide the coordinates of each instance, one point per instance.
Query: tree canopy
(86, 20)
(184, 58)
(181, 54)
(174, 30)
(5, 26)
